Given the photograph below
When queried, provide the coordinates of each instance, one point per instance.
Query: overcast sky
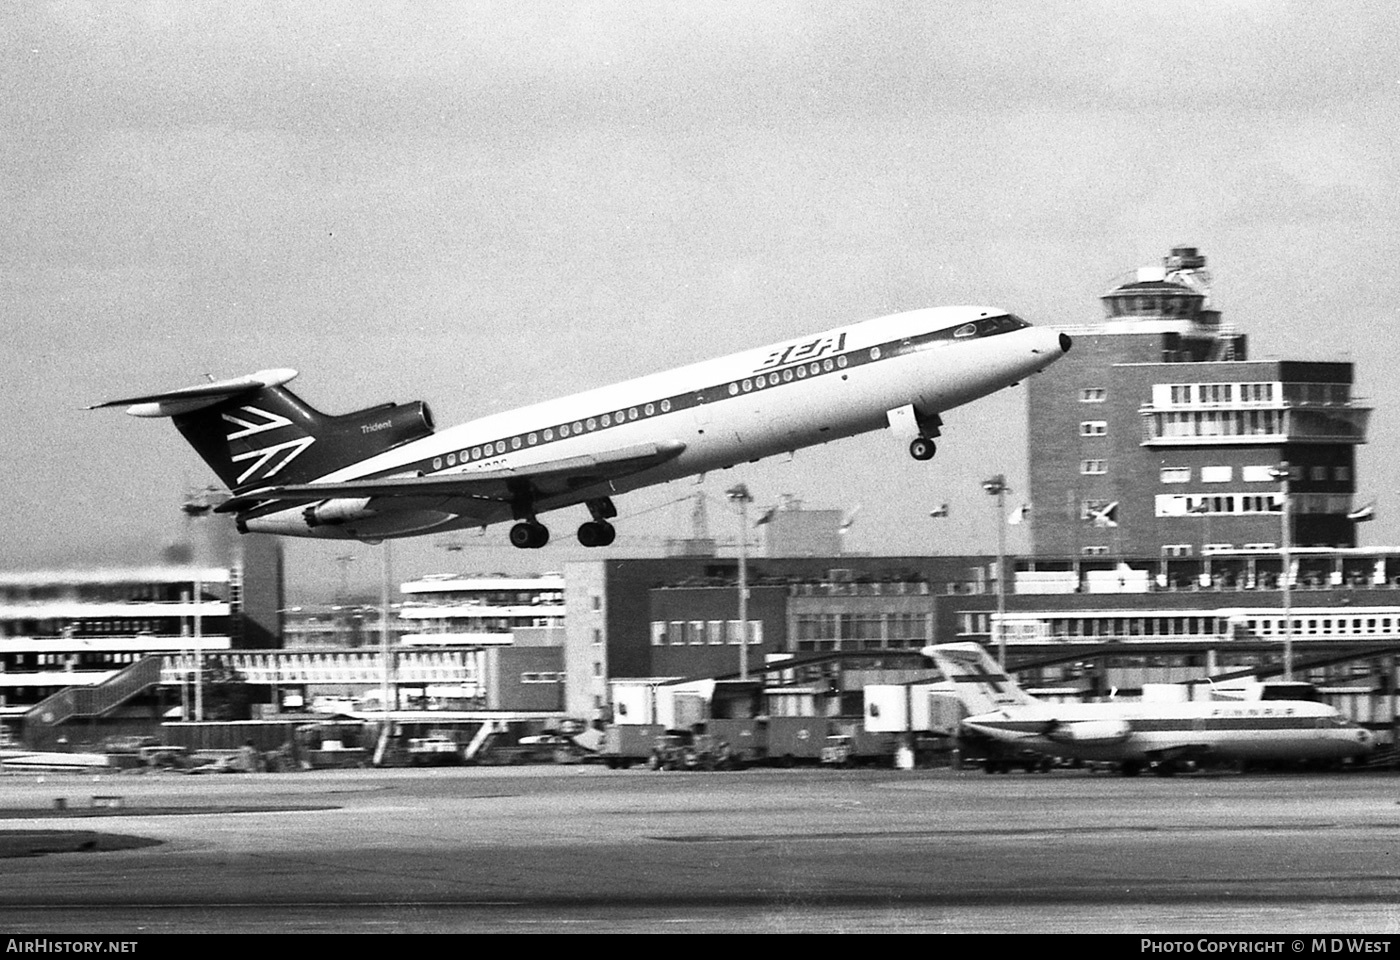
(486, 204)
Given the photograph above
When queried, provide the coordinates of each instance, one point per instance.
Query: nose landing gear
(919, 428)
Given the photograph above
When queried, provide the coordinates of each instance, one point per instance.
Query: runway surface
(585, 849)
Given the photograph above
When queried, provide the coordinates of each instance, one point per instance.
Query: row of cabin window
(633, 413)
(1134, 626)
(1323, 626)
(563, 432)
(801, 372)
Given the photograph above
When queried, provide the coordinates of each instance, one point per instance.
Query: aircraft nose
(1048, 343)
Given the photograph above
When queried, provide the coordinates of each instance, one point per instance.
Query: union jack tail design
(253, 431)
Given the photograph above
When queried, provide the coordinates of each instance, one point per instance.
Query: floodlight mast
(1284, 473)
(996, 486)
(739, 493)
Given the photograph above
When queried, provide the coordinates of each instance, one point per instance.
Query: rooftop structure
(450, 610)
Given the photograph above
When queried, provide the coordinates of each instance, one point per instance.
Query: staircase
(93, 701)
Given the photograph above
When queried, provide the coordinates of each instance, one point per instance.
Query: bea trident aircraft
(1137, 734)
(384, 472)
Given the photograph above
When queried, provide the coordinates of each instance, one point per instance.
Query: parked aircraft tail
(980, 683)
(253, 431)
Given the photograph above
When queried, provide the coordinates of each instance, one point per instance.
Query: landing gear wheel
(922, 448)
(597, 533)
(529, 535)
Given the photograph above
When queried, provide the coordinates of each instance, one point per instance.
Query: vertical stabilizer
(253, 431)
(980, 683)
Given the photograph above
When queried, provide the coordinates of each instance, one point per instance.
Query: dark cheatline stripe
(1199, 725)
(817, 357)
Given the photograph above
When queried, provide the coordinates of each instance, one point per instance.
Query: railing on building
(289, 669)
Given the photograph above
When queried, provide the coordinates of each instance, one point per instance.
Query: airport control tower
(1158, 436)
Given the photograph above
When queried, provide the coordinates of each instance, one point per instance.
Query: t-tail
(253, 431)
(981, 684)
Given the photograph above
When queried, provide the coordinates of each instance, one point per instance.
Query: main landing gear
(922, 448)
(598, 532)
(530, 534)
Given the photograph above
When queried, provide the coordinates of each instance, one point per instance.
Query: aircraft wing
(541, 480)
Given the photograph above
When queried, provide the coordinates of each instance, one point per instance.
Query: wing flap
(543, 479)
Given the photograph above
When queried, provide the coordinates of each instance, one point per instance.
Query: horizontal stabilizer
(546, 479)
(189, 399)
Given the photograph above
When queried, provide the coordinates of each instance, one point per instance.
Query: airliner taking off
(1134, 735)
(385, 472)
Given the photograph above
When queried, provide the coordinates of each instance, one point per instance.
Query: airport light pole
(1284, 473)
(997, 487)
(384, 631)
(198, 648)
(739, 493)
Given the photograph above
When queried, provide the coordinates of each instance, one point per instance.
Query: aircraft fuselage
(749, 405)
(1142, 732)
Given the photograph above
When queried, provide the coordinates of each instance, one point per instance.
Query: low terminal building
(1080, 625)
(62, 629)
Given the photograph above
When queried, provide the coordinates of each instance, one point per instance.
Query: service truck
(627, 743)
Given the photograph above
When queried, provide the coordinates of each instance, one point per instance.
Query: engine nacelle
(1090, 731)
(338, 511)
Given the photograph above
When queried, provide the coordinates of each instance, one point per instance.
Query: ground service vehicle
(627, 743)
(775, 741)
(433, 751)
(683, 750)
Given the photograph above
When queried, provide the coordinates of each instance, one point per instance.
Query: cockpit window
(988, 326)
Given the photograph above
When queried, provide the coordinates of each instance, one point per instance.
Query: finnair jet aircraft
(384, 472)
(1136, 734)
